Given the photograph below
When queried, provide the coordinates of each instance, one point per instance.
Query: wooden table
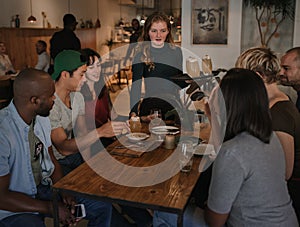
(171, 195)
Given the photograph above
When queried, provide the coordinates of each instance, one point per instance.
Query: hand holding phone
(79, 211)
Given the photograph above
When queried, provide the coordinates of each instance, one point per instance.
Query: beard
(284, 80)
(44, 110)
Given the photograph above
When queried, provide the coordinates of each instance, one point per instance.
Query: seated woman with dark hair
(248, 186)
(98, 107)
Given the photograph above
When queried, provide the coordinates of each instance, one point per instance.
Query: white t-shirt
(62, 116)
(43, 61)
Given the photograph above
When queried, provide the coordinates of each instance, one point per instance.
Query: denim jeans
(97, 213)
(70, 162)
(23, 219)
(193, 217)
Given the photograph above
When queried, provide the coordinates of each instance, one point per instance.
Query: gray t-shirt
(62, 116)
(248, 182)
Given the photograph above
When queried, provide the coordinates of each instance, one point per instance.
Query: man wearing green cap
(69, 134)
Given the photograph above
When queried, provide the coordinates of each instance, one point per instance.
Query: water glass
(197, 123)
(156, 120)
(186, 156)
(192, 67)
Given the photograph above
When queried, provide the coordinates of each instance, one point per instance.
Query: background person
(6, 66)
(25, 195)
(248, 186)
(290, 76)
(133, 38)
(64, 39)
(285, 116)
(43, 57)
(290, 71)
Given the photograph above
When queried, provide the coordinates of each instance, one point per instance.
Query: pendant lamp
(31, 19)
(98, 23)
(143, 19)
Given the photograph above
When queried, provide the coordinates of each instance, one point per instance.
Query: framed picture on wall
(210, 21)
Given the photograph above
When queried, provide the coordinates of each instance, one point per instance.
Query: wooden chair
(108, 73)
(125, 71)
(6, 92)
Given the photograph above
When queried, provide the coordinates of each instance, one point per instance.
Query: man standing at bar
(65, 39)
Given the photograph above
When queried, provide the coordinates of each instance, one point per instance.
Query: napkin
(125, 147)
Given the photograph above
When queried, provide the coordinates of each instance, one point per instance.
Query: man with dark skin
(24, 171)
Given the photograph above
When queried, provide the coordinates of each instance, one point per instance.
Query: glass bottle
(17, 21)
(12, 22)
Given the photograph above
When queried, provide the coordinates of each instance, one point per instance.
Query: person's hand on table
(112, 128)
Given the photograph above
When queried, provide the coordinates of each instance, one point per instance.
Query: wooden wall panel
(20, 43)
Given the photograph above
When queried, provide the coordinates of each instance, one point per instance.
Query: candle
(169, 142)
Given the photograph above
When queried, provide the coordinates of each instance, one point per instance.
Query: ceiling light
(143, 19)
(31, 19)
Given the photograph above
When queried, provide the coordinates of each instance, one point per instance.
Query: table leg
(180, 220)
(55, 208)
(119, 77)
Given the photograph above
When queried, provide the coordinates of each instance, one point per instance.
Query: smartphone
(79, 211)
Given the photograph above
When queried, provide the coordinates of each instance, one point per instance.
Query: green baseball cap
(67, 60)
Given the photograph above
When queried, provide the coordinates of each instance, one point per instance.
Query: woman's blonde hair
(261, 60)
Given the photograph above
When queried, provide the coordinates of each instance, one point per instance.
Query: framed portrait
(210, 21)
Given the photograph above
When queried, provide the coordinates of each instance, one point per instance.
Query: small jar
(135, 124)
(169, 142)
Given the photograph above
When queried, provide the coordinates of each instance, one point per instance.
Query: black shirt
(65, 39)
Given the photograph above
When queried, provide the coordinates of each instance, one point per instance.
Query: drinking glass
(156, 120)
(186, 156)
(197, 123)
(192, 67)
(206, 65)
(155, 115)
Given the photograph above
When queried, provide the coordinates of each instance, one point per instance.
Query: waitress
(157, 59)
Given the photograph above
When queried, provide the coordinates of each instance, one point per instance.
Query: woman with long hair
(98, 106)
(157, 59)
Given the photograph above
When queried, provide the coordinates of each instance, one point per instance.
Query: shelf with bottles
(122, 34)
